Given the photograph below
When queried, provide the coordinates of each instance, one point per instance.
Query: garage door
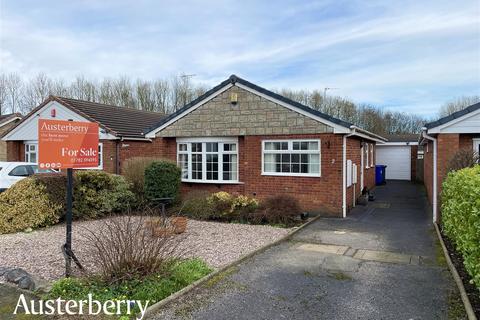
(397, 160)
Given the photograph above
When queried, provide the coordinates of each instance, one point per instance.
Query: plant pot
(179, 224)
(162, 232)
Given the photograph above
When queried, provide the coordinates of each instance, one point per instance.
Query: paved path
(382, 262)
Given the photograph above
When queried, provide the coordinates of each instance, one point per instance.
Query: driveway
(382, 262)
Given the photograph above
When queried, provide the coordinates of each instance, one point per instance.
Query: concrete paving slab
(383, 256)
(324, 248)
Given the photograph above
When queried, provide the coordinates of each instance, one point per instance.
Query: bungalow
(121, 135)
(441, 140)
(237, 137)
(241, 138)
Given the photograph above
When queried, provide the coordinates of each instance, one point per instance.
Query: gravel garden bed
(218, 244)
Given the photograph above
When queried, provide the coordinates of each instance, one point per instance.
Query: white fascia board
(438, 129)
(400, 143)
(152, 133)
(336, 127)
(357, 134)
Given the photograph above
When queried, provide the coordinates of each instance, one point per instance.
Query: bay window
(210, 160)
(291, 158)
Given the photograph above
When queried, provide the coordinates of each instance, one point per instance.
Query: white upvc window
(371, 156)
(208, 160)
(291, 157)
(476, 146)
(367, 163)
(31, 152)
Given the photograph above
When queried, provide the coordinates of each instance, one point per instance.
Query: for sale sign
(67, 144)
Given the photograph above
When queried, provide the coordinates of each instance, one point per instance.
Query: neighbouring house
(441, 140)
(400, 155)
(121, 130)
(7, 122)
(241, 138)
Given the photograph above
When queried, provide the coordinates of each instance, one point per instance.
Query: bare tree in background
(167, 95)
(14, 91)
(3, 93)
(161, 89)
(145, 95)
(457, 105)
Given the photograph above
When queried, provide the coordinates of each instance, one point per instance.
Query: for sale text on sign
(67, 144)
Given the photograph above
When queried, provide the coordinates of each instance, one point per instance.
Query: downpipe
(434, 174)
(344, 174)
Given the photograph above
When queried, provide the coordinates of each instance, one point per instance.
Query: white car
(11, 172)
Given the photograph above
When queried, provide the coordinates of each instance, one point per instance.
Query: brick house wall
(316, 194)
(447, 145)
(3, 144)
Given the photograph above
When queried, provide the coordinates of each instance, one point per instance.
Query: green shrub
(134, 172)
(55, 186)
(196, 206)
(27, 205)
(279, 209)
(162, 180)
(221, 203)
(218, 206)
(461, 216)
(97, 193)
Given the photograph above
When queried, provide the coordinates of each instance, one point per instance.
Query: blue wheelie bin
(380, 174)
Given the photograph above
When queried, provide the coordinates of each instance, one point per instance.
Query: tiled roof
(402, 137)
(123, 121)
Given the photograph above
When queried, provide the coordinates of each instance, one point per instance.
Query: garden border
(155, 307)
(463, 294)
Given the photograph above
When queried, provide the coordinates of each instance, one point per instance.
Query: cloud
(405, 56)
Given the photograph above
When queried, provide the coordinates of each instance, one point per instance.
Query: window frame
(367, 151)
(476, 146)
(220, 141)
(28, 153)
(372, 162)
(291, 151)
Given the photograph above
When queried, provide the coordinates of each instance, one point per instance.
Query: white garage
(397, 158)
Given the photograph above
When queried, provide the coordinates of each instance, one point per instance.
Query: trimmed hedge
(162, 180)
(461, 216)
(40, 200)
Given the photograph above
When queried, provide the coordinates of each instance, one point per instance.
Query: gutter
(135, 139)
(434, 173)
(344, 173)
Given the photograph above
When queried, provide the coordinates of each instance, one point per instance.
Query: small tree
(463, 158)
(162, 180)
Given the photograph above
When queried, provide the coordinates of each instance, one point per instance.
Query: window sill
(212, 182)
(292, 175)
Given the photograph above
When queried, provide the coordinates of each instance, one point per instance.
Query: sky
(408, 56)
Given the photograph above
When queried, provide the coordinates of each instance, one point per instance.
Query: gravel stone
(39, 252)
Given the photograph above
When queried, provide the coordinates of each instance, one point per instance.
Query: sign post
(67, 145)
